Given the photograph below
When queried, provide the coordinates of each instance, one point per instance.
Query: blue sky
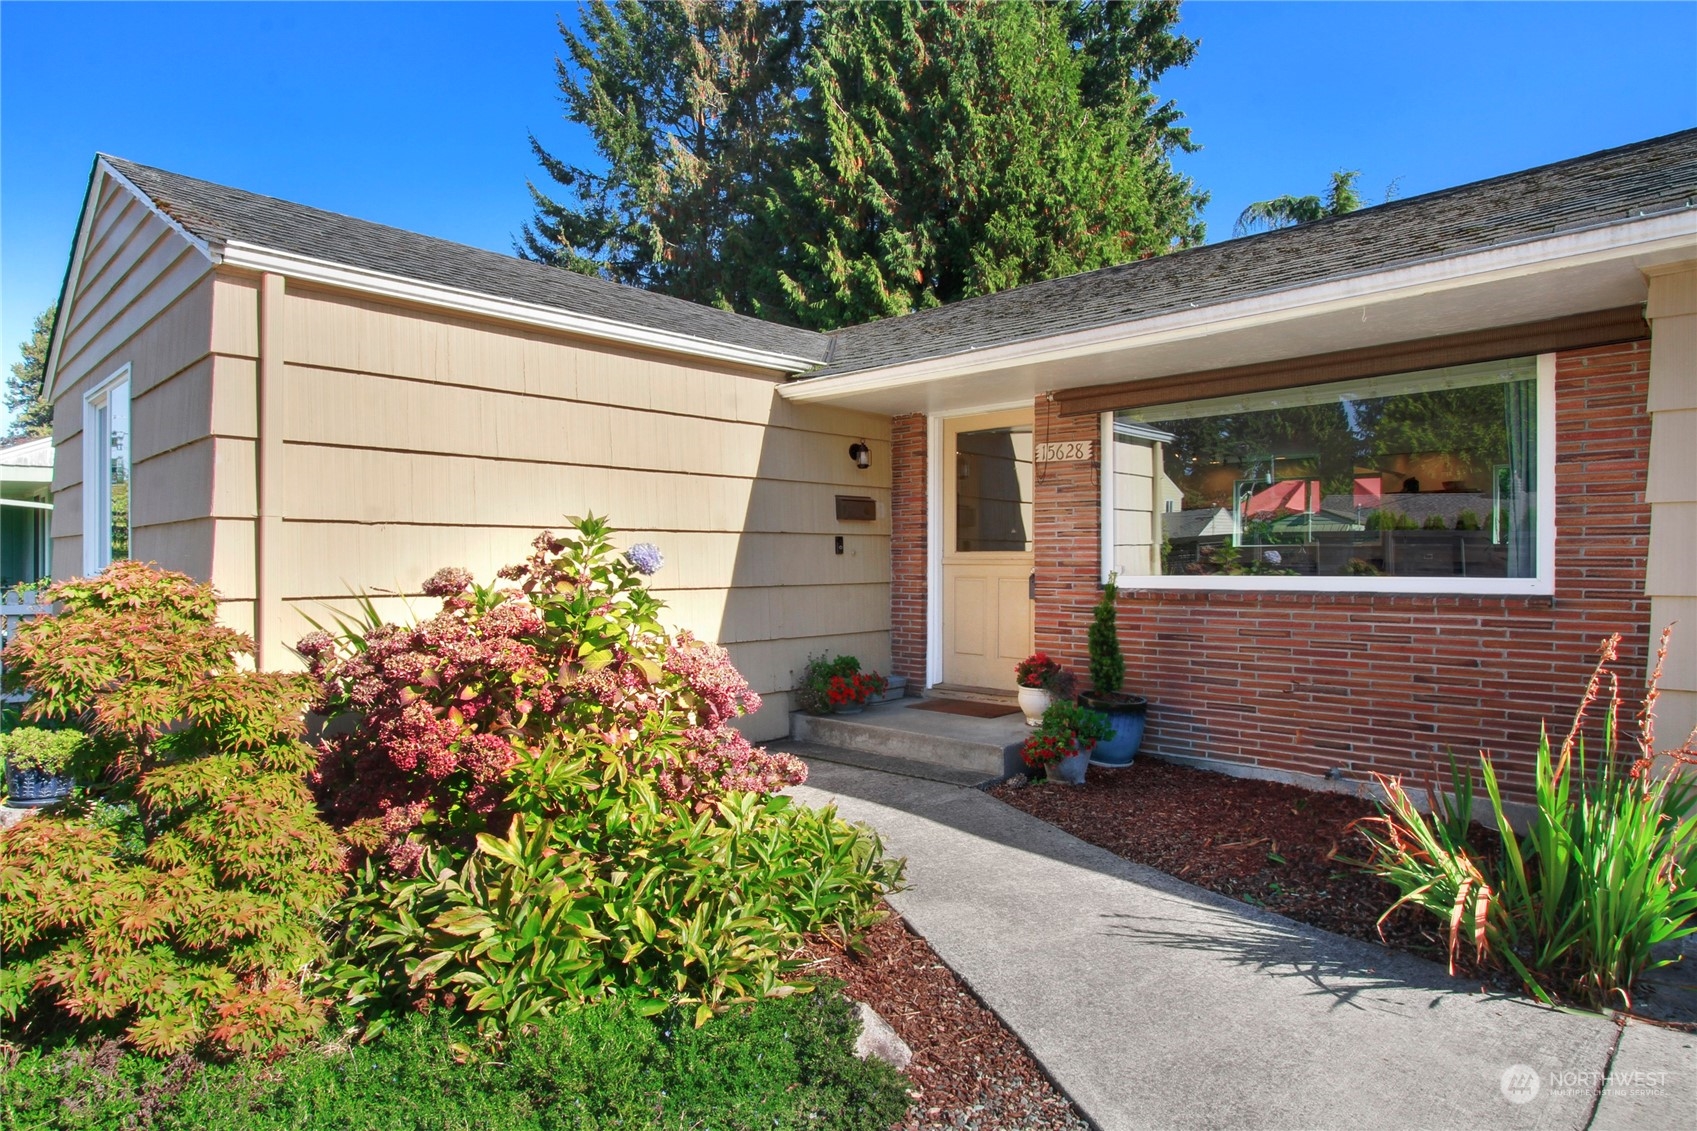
(416, 114)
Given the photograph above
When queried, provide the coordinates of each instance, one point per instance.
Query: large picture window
(1438, 480)
(106, 473)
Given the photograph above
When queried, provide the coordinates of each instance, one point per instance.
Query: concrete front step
(894, 730)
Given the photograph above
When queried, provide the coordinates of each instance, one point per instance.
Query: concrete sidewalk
(1157, 1004)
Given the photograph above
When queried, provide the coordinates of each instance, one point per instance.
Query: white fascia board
(250, 257)
(103, 171)
(1666, 232)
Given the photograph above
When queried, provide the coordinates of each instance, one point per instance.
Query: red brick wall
(1307, 682)
(907, 549)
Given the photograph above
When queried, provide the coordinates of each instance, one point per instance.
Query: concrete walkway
(1157, 1004)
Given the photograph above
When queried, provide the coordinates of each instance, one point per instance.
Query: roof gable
(229, 220)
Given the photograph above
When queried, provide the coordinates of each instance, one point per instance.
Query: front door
(986, 558)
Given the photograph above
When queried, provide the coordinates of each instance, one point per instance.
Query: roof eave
(1640, 236)
(252, 257)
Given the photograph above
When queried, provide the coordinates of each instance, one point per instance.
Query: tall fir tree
(31, 414)
(690, 103)
(827, 163)
(952, 150)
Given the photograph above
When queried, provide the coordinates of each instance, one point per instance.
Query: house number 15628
(1068, 451)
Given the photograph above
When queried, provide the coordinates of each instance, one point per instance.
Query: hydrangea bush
(425, 724)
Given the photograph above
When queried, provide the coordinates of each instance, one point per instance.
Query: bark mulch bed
(1280, 847)
(968, 1070)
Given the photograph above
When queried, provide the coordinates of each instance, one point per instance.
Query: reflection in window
(106, 522)
(993, 490)
(1419, 475)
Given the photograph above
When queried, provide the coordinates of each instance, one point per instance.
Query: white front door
(986, 553)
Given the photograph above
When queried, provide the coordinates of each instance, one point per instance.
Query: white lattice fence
(15, 608)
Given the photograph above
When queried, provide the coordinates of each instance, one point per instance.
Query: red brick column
(1307, 682)
(908, 442)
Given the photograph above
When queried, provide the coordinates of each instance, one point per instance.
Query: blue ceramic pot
(1128, 714)
(31, 789)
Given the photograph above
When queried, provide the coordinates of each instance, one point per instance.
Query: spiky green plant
(1605, 871)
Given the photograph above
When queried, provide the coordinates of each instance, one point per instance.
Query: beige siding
(142, 298)
(414, 440)
(1671, 578)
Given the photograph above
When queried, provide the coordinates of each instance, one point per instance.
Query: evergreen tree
(32, 415)
(1288, 211)
(689, 102)
(828, 163)
(951, 150)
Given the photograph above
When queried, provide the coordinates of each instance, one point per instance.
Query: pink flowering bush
(426, 724)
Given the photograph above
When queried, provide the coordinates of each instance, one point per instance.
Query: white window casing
(107, 403)
(1541, 583)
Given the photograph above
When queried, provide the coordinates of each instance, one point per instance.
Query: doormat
(966, 707)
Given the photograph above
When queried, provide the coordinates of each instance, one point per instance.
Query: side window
(106, 473)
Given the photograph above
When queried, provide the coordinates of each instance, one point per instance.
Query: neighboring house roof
(221, 216)
(1612, 187)
(36, 452)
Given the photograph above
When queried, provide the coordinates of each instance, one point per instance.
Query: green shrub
(1606, 869)
(42, 750)
(1434, 522)
(1107, 663)
(1467, 520)
(779, 1064)
(602, 887)
(182, 907)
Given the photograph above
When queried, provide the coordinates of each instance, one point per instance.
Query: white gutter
(1668, 232)
(266, 260)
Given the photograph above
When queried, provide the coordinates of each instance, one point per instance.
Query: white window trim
(96, 483)
(1541, 585)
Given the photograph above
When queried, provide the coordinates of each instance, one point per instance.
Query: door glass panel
(993, 476)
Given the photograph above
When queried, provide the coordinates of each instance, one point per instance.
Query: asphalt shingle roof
(217, 213)
(1611, 187)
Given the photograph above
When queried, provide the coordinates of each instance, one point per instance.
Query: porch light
(860, 454)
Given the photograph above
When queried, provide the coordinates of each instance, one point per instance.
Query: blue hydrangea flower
(645, 557)
(1272, 557)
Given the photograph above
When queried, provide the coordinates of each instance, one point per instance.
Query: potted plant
(837, 686)
(1061, 745)
(38, 765)
(1041, 681)
(1127, 714)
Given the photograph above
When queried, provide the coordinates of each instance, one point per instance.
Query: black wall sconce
(860, 454)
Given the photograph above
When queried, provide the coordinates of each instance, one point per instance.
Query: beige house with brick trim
(1373, 487)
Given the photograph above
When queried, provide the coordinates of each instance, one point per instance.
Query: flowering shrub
(1042, 671)
(190, 926)
(426, 724)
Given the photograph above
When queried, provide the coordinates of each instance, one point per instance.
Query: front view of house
(1373, 488)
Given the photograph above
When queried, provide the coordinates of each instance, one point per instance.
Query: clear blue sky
(416, 114)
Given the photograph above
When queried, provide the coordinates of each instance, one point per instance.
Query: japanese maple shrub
(196, 932)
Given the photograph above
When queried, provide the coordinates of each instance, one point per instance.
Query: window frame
(1542, 584)
(96, 469)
